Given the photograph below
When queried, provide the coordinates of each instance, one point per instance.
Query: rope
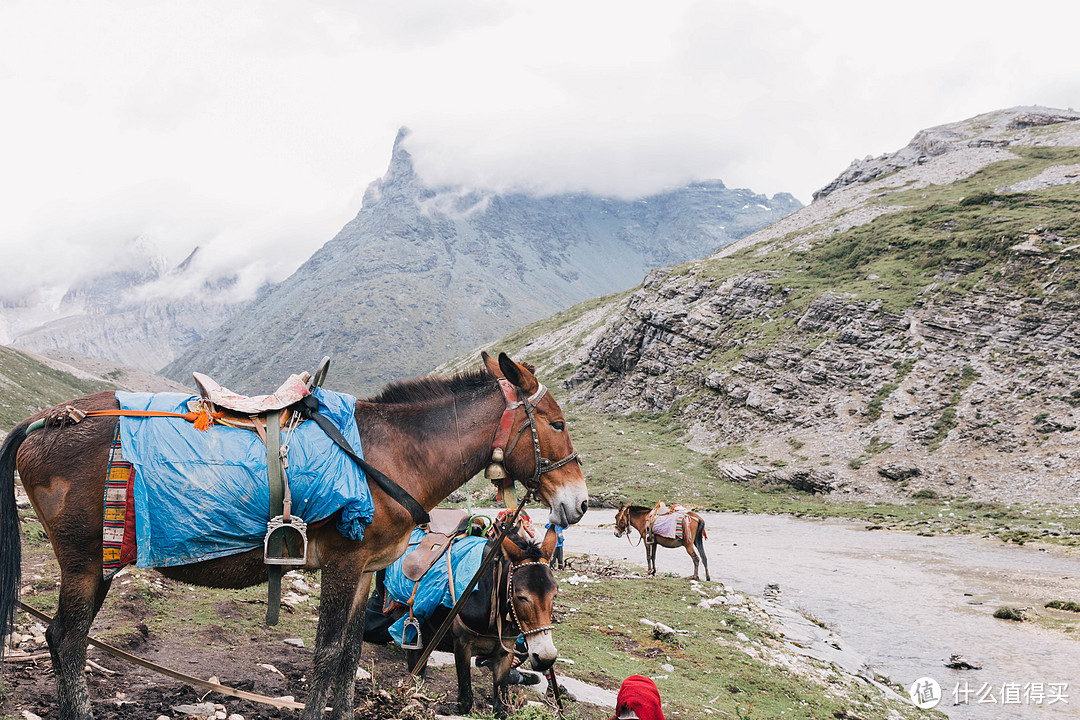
(196, 682)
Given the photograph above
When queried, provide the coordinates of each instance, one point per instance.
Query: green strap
(277, 500)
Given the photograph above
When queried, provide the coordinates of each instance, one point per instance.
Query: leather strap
(310, 409)
(277, 499)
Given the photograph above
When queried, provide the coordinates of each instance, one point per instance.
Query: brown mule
(523, 566)
(636, 516)
(429, 434)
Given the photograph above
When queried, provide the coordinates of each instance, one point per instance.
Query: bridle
(502, 446)
(510, 597)
(626, 531)
(497, 616)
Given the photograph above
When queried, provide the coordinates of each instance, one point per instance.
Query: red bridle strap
(506, 423)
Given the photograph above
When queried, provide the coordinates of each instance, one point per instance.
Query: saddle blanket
(466, 554)
(670, 525)
(200, 495)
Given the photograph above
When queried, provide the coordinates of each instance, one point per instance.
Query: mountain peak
(400, 178)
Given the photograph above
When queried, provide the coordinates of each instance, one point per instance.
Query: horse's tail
(10, 534)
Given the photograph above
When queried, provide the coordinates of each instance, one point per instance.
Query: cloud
(251, 128)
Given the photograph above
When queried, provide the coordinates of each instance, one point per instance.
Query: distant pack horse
(428, 434)
(637, 517)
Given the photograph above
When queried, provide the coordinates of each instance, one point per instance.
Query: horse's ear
(518, 374)
(551, 540)
(511, 550)
(491, 364)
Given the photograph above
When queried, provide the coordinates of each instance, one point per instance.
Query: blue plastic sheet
(466, 554)
(201, 495)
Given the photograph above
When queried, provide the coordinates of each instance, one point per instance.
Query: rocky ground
(263, 663)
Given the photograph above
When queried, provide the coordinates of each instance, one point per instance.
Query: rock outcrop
(915, 328)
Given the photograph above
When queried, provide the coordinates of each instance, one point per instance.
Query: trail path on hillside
(904, 602)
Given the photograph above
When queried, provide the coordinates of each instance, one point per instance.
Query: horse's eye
(560, 425)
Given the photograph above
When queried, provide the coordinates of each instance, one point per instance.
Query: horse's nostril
(584, 506)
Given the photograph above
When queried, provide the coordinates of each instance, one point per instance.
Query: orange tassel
(204, 419)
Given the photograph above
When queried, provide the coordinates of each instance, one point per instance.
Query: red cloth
(639, 693)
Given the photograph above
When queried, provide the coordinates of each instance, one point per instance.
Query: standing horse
(429, 434)
(636, 516)
(514, 597)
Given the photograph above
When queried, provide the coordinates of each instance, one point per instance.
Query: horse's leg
(700, 544)
(82, 591)
(411, 658)
(693, 556)
(341, 621)
(345, 678)
(463, 666)
(652, 558)
(500, 675)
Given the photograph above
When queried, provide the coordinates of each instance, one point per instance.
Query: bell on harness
(294, 529)
(495, 471)
(417, 643)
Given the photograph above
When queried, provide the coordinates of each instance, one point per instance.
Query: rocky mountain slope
(424, 273)
(912, 332)
(136, 314)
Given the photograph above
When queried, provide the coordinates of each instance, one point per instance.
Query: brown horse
(521, 586)
(429, 434)
(636, 516)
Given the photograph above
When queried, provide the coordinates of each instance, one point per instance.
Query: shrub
(1010, 613)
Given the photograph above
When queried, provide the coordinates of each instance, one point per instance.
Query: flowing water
(904, 602)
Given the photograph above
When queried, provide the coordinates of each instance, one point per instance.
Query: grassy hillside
(27, 385)
(960, 298)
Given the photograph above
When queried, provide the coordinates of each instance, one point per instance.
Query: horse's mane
(434, 387)
(529, 546)
(639, 508)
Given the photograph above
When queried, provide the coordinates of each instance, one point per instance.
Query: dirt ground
(262, 663)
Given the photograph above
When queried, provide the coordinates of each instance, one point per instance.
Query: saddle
(662, 513)
(285, 542)
(236, 410)
(445, 525)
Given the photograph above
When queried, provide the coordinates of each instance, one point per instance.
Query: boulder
(898, 472)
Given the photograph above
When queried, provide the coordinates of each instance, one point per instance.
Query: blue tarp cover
(201, 495)
(466, 554)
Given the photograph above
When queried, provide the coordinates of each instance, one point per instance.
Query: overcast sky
(252, 128)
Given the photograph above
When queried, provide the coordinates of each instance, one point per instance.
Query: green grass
(1068, 605)
(1009, 613)
(640, 458)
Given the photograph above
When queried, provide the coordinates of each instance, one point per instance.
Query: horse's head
(532, 587)
(545, 459)
(622, 520)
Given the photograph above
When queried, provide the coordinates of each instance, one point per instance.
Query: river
(903, 602)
